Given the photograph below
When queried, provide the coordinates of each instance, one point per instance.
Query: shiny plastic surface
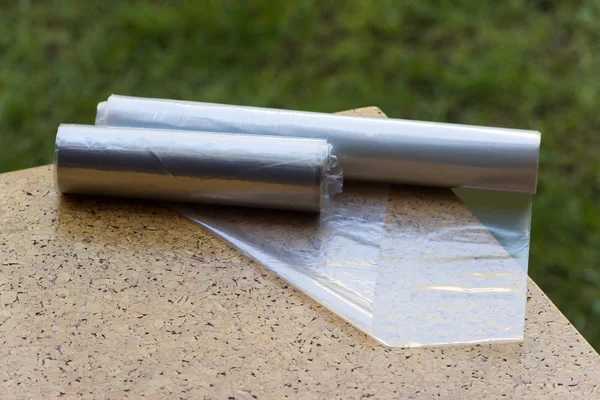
(370, 149)
(410, 266)
(232, 169)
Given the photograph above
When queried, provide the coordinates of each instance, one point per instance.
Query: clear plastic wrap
(198, 167)
(410, 266)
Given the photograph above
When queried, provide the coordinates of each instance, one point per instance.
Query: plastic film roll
(197, 167)
(371, 149)
(409, 266)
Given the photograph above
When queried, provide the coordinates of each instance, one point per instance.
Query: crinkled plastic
(411, 266)
(198, 167)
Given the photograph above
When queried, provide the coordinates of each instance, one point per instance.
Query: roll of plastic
(197, 167)
(371, 149)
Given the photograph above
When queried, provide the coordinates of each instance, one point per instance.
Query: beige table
(108, 298)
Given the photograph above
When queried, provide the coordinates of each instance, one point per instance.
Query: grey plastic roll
(373, 149)
(198, 167)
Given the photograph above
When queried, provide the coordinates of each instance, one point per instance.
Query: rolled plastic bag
(229, 169)
(369, 149)
(410, 266)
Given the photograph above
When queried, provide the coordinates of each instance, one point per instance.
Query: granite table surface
(111, 298)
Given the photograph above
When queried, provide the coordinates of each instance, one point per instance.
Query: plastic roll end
(55, 165)
(332, 179)
(101, 112)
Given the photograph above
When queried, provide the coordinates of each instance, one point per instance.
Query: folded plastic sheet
(410, 266)
(197, 167)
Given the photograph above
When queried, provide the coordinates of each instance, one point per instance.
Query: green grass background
(515, 63)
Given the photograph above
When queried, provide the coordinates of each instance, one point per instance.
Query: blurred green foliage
(516, 63)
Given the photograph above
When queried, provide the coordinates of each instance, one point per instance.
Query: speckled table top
(108, 298)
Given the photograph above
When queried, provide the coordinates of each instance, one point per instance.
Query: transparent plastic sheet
(198, 167)
(410, 266)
